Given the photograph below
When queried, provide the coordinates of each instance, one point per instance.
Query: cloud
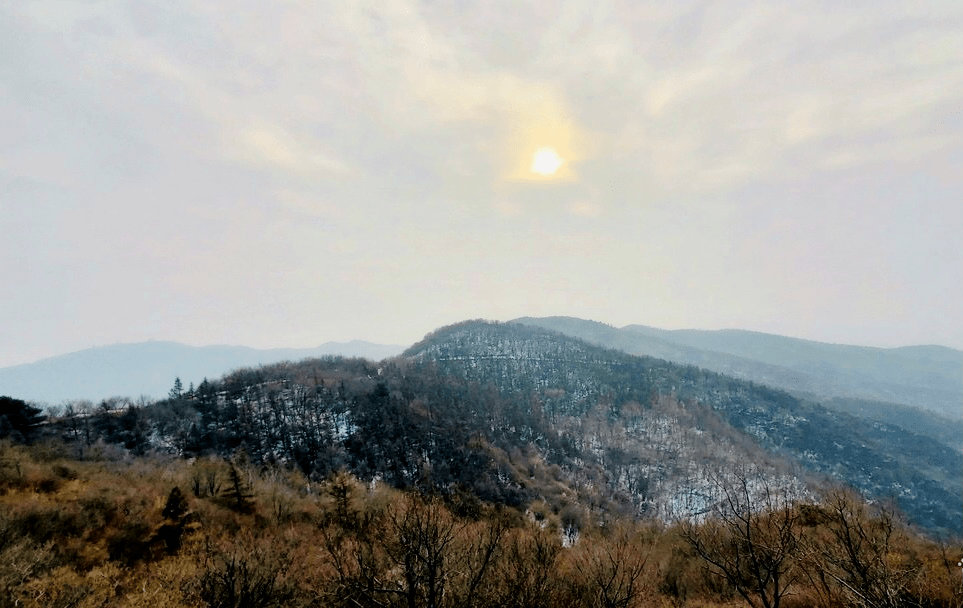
(694, 98)
(271, 145)
(319, 139)
(718, 97)
(585, 209)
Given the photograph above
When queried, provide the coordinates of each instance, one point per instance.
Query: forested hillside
(146, 368)
(513, 414)
(881, 460)
(99, 527)
(491, 464)
(925, 377)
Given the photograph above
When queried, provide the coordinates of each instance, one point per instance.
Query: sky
(283, 174)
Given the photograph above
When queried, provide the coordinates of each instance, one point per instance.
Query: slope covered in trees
(18, 419)
(926, 377)
(490, 465)
(514, 414)
(147, 368)
(881, 460)
(103, 528)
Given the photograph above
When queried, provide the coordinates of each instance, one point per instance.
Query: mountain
(535, 419)
(927, 377)
(575, 379)
(149, 368)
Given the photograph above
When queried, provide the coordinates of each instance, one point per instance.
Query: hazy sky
(289, 173)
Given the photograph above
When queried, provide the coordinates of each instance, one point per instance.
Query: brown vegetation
(161, 532)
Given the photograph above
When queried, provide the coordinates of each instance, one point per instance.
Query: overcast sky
(289, 173)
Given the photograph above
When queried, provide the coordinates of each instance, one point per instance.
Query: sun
(546, 161)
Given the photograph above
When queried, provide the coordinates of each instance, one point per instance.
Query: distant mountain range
(927, 377)
(905, 386)
(149, 368)
(516, 413)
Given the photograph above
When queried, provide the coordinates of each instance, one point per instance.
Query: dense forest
(489, 465)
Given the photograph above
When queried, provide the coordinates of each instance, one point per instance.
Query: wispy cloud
(336, 137)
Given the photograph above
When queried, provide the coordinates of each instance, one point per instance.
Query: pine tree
(177, 389)
(175, 512)
(176, 505)
(18, 419)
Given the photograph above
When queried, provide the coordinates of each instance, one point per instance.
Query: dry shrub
(207, 475)
(130, 544)
(48, 479)
(528, 576)
(64, 587)
(612, 568)
(64, 472)
(43, 522)
(681, 577)
(167, 583)
(247, 571)
(48, 451)
(21, 562)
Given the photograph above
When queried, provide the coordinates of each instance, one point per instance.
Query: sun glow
(546, 161)
(542, 144)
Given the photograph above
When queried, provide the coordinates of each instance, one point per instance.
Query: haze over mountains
(927, 377)
(516, 414)
(861, 380)
(919, 388)
(545, 454)
(149, 368)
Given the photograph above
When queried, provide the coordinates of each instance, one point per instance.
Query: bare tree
(858, 555)
(482, 547)
(423, 535)
(528, 573)
(413, 553)
(750, 540)
(613, 569)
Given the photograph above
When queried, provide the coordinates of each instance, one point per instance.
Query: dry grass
(92, 532)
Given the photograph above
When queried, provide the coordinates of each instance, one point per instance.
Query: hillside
(927, 377)
(521, 415)
(97, 527)
(149, 368)
(880, 459)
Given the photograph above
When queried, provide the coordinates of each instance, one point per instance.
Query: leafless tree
(613, 569)
(750, 540)
(857, 554)
(423, 535)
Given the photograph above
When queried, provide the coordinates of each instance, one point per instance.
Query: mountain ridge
(881, 460)
(149, 368)
(562, 449)
(928, 377)
(523, 415)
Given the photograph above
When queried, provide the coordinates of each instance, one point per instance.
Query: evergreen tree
(18, 419)
(177, 390)
(176, 505)
(175, 520)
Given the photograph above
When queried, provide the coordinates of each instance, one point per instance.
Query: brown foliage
(750, 541)
(613, 568)
(860, 555)
(124, 534)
